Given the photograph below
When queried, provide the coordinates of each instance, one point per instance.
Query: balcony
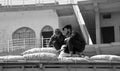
(17, 46)
(33, 2)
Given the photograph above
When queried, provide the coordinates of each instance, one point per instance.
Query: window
(107, 16)
(23, 37)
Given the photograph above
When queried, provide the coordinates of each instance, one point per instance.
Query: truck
(52, 65)
(59, 66)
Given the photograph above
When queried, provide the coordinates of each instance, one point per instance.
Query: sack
(1, 58)
(100, 57)
(63, 59)
(37, 50)
(13, 58)
(105, 58)
(73, 59)
(41, 56)
(115, 58)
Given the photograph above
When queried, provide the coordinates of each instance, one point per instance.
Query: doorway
(107, 34)
(47, 32)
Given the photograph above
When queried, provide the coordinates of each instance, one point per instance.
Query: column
(97, 24)
(117, 33)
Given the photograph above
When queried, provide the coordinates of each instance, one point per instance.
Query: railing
(25, 2)
(23, 44)
(3, 47)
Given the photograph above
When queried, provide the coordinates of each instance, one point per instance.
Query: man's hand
(67, 39)
(62, 48)
(58, 51)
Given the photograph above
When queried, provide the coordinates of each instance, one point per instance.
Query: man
(75, 43)
(57, 40)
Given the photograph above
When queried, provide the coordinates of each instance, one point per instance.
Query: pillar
(117, 33)
(97, 24)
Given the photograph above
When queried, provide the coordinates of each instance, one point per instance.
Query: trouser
(57, 45)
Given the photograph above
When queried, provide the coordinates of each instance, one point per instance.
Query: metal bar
(23, 69)
(24, 43)
(4, 2)
(8, 46)
(94, 68)
(23, 2)
(68, 68)
(114, 68)
(41, 67)
(1, 68)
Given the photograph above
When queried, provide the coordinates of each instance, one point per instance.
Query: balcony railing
(26, 2)
(23, 44)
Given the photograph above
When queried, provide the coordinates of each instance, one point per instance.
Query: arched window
(47, 32)
(23, 37)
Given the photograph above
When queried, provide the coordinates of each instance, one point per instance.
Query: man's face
(57, 34)
(65, 31)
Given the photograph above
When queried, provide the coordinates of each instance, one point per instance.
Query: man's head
(57, 32)
(67, 30)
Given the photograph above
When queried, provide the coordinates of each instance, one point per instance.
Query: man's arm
(73, 34)
(51, 40)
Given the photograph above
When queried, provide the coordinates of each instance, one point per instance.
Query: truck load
(45, 60)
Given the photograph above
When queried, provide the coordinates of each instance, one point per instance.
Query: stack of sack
(11, 58)
(74, 59)
(42, 54)
(1, 58)
(64, 57)
(39, 50)
(105, 58)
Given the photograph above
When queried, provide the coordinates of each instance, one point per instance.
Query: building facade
(33, 25)
(102, 19)
(26, 27)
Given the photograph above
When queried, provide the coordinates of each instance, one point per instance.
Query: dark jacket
(56, 41)
(75, 43)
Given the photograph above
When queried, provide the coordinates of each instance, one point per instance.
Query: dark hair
(57, 31)
(68, 27)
